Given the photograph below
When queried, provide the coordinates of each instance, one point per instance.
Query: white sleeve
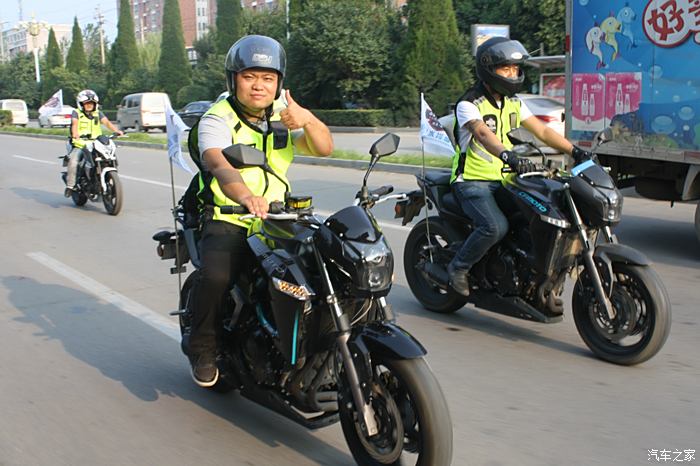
(525, 111)
(466, 112)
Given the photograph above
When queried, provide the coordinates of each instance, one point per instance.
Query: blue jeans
(490, 225)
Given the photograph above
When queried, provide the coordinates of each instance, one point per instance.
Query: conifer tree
(76, 61)
(229, 24)
(174, 70)
(54, 59)
(124, 55)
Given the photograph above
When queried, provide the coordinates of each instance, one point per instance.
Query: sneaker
(459, 279)
(204, 370)
(68, 192)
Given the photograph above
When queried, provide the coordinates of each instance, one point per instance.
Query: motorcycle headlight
(375, 266)
(614, 206)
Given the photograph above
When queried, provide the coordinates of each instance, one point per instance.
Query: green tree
(433, 59)
(204, 46)
(209, 75)
(54, 59)
(76, 60)
(552, 29)
(149, 51)
(174, 70)
(123, 56)
(229, 24)
(17, 79)
(91, 41)
(271, 23)
(338, 54)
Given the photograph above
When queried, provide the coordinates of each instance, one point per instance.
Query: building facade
(17, 40)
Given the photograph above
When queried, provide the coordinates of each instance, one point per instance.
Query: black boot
(204, 370)
(459, 279)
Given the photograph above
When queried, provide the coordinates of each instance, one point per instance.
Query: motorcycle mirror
(524, 150)
(520, 136)
(604, 136)
(385, 145)
(240, 156)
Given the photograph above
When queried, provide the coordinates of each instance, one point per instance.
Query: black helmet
(499, 51)
(255, 52)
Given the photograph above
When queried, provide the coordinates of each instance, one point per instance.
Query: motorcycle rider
(483, 117)
(255, 68)
(86, 122)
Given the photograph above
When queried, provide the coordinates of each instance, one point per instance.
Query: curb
(303, 159)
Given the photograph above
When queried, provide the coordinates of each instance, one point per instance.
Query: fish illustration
(626, 16)
(594, 37)
(611, 26)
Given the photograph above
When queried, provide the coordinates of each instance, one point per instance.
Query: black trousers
(225, 255)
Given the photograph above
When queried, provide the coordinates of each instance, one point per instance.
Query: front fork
(588, 250)
(342, 325)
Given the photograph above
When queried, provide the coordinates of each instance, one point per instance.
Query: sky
(61, 12)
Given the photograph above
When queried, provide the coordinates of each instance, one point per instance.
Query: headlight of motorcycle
(614, 206)
(375, 266)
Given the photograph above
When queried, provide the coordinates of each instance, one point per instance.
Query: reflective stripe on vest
(87, 126)
(259, 182)
(477, 163)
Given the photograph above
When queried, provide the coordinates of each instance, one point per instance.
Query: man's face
(256, 88)
(508, 71)
(89, 106)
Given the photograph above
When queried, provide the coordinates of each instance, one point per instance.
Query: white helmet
(87, 95)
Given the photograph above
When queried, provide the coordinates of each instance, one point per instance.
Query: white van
(18, 107)
(142, 111)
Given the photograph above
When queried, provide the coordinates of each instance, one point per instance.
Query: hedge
(381, 117)
(111, 114)
(5, 117)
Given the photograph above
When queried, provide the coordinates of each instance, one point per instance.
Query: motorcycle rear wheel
(409, 389)
(431, 296)
(113, 196)
(643, 315)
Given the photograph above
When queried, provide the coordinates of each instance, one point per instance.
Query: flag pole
(178, 265)
(425, 194)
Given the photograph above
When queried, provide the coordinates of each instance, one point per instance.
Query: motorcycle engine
(502, 272)
(257, 350)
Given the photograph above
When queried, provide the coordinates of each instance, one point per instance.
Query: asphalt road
(92, 372)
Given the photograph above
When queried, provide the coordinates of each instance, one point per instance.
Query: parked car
(142, 111)
(61, 118)
(549, 110)
(193, 111)
(18, 107)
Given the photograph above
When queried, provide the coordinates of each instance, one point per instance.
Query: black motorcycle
(97, 175)
(560, 224)
(308, 332)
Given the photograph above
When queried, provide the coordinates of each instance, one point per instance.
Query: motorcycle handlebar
(382, 191)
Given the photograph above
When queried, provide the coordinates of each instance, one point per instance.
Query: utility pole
(100, 21)
(2, 40)
(20, 10)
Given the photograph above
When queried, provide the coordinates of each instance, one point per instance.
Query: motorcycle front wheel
(411, 414)
(112, 197)
(431, 296)
(642, 315)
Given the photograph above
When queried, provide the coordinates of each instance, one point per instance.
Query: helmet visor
(508, 53)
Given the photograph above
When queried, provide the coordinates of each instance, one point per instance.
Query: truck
(634, 66)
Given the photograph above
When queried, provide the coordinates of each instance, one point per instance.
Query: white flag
(175, 128)
(433, 136)
(53, 105)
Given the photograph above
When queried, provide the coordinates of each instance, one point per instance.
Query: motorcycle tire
(113, 196)
(79, 198)
(408, 388)
(432, 297)
(643, 313)
(223, 385)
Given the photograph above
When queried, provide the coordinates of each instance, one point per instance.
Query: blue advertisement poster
(636, 67)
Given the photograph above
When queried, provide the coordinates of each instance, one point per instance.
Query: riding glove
(519, 165)
(581, 155)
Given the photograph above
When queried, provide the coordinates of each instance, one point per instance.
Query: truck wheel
(697, 220)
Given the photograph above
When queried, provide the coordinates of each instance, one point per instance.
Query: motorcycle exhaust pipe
(435, 273)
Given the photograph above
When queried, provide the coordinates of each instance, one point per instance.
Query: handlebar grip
(382, 191)
(233, 209)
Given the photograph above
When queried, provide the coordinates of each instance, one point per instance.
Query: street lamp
(34, 28)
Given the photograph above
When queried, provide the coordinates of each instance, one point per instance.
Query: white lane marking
(389, 225)
(34, 160)
(127, 305)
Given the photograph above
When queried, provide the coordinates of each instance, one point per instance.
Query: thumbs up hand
(294, 116)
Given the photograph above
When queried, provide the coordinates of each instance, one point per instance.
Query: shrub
(5, 117)
(380, 117)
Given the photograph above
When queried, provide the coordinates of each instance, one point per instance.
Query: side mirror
(385, 145)
(520, 136)
(240, 156)
(604, 136)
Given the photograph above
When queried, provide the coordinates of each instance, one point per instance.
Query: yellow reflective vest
(278, 147)
(474, 162)
(87, 126)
